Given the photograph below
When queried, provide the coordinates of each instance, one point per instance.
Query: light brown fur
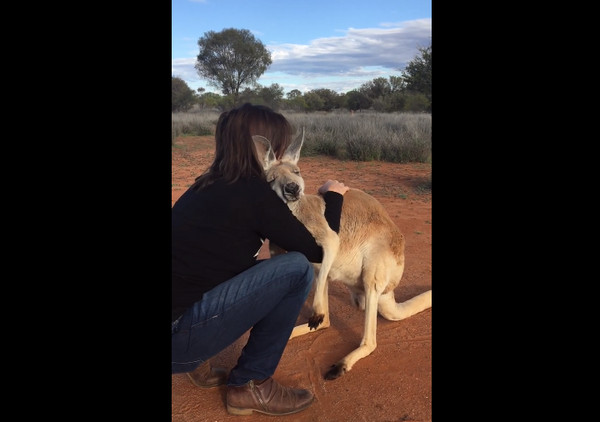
(367, 255)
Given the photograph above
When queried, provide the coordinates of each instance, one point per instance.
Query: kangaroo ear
(292, 154)
(264, 152)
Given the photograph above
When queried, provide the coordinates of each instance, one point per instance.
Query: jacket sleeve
(333, 209)
(280, 226)
(276, 222)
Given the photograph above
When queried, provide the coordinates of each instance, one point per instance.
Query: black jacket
(217, 232)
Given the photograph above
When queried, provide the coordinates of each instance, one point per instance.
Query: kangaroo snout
(291, 191)
(291, 188)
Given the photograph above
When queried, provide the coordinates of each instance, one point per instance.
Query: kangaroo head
(283, 175)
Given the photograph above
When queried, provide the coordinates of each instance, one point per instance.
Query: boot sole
(244, 412)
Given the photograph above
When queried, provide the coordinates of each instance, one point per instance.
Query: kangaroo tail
(393, 311)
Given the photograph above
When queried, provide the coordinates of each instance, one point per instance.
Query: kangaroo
(367, 255)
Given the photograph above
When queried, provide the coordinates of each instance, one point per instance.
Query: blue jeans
(267, 298)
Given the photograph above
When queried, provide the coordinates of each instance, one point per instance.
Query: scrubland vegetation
(385, 119)
(358, 136)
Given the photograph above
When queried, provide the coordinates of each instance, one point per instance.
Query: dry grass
(366, 136)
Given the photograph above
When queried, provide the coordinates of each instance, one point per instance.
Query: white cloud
(184, 69)
(339, 63)
(391, 48)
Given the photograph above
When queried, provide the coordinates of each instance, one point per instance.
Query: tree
(357, 100)
(210, 100)
(313, 101)
(182, 96)
(416, 101)
(377, 88)
(231, 58)
(396, 84)
(417, 74)
(294, 93)
(329, 99)
(272, 95)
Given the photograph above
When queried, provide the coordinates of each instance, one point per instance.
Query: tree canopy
(238, 59)
(183, 97)
(231, 58)
(417, 74)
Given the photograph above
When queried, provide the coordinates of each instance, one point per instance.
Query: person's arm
(276, 222)
(279, 225)
(333, 209)
(333, 194)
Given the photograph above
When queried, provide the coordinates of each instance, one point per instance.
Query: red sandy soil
(391, 384)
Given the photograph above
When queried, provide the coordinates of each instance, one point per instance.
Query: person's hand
(335, 186)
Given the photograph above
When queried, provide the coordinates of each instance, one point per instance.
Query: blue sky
(333, 44)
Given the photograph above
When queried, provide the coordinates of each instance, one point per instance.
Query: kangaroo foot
(315, 320)
(335, 371)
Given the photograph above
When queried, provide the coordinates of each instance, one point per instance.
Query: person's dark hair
(235, 156)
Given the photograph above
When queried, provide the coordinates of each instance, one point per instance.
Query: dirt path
(394, 382)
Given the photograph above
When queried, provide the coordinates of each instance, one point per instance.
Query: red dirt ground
(394, 382)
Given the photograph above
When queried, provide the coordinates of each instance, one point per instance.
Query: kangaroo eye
(296, 171)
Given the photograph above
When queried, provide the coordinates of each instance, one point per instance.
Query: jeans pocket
(175, 325)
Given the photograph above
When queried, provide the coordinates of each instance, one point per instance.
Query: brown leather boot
(206, 376)
(268, 397)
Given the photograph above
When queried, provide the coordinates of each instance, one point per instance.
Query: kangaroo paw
(335, 371)
(315, 320)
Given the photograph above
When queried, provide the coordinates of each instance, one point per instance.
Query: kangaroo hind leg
(369, 340)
